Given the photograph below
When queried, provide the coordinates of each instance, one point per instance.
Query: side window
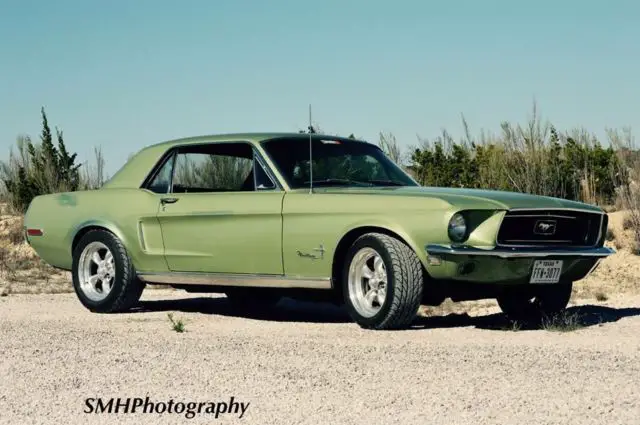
(162, 180)
(263, 181)
(218, 167)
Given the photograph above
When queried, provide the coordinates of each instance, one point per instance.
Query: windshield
(335, 163)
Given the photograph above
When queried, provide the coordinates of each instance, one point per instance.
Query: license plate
(546, 271)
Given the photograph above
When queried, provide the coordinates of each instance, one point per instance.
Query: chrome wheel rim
(96, 271)
(367, 282)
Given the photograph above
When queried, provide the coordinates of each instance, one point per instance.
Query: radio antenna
(310, 154)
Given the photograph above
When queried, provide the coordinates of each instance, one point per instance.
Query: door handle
(168, 200)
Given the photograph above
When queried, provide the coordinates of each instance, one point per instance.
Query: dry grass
(563, 322)
(176, 325)
(21, 270)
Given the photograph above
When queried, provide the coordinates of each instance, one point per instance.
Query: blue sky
(123, 74)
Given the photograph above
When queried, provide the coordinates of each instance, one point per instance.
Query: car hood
(469, 197)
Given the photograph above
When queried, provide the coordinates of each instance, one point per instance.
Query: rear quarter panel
(128, 213)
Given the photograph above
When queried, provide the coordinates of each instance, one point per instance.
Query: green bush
(42, 168)
(535, 159)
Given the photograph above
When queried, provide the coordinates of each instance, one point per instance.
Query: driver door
(222, 211)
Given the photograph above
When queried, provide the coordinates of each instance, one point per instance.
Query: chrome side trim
(600, 228)
(545, 216)
(582, 210)
(204, 213)
(519, 253)
(592, 269)
(224, 279)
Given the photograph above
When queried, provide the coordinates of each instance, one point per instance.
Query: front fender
(388, 226)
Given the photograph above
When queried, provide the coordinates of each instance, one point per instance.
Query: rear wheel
(382, 282)
(546, 301)
(103, 277)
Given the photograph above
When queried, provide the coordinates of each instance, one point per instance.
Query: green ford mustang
(246, 215)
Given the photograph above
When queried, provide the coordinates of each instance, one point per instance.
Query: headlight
(457, 228)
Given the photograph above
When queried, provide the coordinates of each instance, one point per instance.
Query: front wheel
(546, 301)
(382, 282)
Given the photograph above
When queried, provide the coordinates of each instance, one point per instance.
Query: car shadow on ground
(288, 310)
(573, 318)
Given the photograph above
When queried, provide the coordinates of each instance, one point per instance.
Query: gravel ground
(307, 364)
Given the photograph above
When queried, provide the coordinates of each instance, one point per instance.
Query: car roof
(133, 173)
(251, 137)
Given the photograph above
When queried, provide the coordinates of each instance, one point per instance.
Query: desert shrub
(93, 175)
(566, 321)
(628, 172)
(15, 233)
(390, 146)
(8, 267)
(534, 158)
(40, 168)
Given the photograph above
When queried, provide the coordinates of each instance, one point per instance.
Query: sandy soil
(307, 364)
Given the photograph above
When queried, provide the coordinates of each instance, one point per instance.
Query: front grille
(551, 228)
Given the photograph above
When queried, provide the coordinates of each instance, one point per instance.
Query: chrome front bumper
(600, 252)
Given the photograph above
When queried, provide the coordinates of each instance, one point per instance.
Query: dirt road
(306, 364)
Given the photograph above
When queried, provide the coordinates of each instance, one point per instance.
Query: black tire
(252, 298)
(545, 301)
(404, 283)
(126, 288)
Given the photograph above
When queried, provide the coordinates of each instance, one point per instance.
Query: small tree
(39, 168)
(93, 177)
(390, 146)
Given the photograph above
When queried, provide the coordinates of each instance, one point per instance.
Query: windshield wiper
(345, 182)
(386, 182)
